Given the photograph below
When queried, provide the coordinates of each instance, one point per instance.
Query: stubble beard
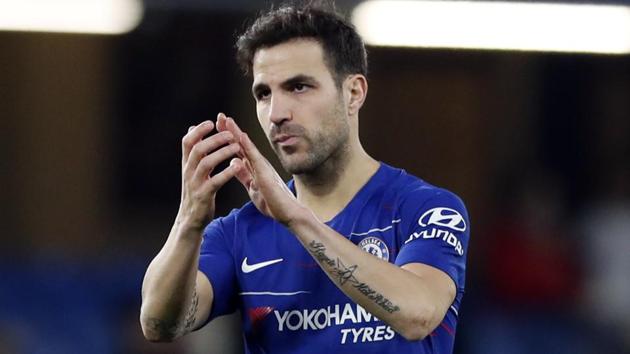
(326, 148)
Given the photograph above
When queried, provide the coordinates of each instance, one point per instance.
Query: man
(352, 256)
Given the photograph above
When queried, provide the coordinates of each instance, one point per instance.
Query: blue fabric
(291, 306)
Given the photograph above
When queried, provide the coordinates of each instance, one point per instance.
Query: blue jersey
(289, 305)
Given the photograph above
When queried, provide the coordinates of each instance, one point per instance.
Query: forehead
(285, 60)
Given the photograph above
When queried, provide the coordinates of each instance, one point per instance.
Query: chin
(298, 166)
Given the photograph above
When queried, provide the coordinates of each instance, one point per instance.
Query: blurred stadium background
(536, 143)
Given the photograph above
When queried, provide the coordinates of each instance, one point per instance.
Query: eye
(263, 95)
(300, 88)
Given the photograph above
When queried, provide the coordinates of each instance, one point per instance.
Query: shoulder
(412, 190)
(429, 196)
(422, 203)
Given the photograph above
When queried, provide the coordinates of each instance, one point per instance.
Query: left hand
(263, 184)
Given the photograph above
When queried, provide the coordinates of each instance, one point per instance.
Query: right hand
(265, 187)
(199, 158)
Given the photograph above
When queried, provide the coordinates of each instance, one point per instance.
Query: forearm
(398, 297)
(412, 299)
(176, 298)
(169, 295)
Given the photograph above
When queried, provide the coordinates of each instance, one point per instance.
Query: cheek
(262, 120)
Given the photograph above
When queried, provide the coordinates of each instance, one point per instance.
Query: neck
(328, 189)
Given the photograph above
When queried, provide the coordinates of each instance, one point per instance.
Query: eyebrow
(297, 79)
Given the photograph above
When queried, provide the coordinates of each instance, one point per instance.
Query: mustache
(286, 129)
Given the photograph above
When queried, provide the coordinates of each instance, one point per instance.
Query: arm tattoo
(379, 299)
(191, 316)
(318, 250)
(345, 275)
(172, 329)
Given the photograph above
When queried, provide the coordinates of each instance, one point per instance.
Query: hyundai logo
(445, 217)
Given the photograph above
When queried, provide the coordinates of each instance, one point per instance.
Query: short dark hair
(344, 51)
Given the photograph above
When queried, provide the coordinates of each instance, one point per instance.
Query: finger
(230, 125)
(202, 149)
(221, 122)
(242, 174)
(217, 181)
(256, 159)
(248, 165)
(206, 146)
(208, 163)
(233, 127)
(194, 135)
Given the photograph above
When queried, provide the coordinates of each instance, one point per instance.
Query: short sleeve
(217, 263)
(435, 231)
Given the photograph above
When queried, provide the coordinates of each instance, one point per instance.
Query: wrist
(301, 216)
(186, 225)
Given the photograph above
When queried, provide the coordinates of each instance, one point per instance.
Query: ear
(355, 87)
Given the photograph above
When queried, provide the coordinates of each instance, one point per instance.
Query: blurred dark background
(538, 146)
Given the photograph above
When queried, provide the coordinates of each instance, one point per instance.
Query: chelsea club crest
(375, 246)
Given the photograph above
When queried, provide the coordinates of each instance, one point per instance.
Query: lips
(286, 135)
(280, 138)
(286, 141)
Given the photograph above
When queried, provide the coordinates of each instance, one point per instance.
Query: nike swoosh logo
(248, 268)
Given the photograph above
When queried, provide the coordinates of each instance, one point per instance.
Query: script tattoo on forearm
(191, 316)
(172, 329)
(379, 299)
(319, 251)
(345, 275)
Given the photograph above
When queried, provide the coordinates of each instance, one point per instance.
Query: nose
(279, 109)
